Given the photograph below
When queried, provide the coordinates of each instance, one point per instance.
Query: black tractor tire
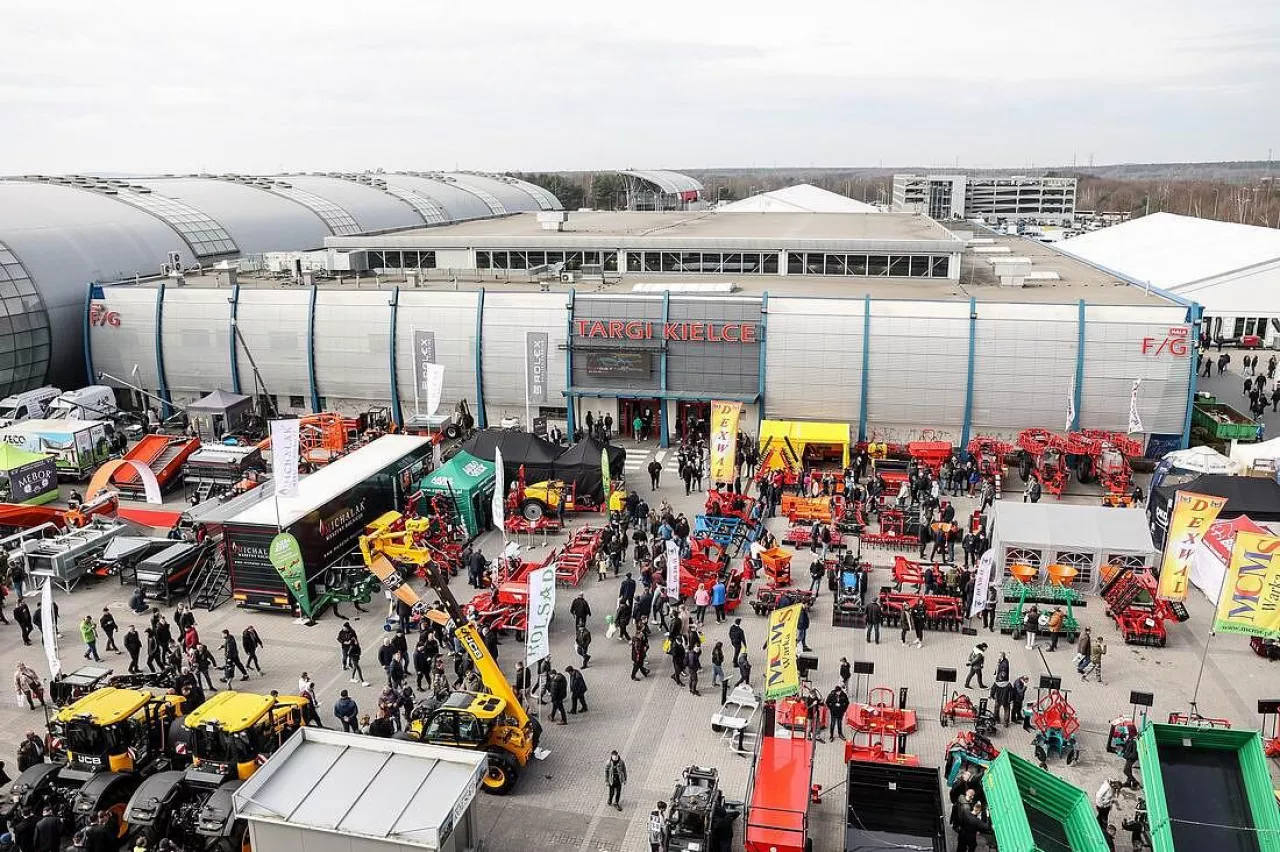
(1024, 466)
(533, 509)
(452, 431)
(501, 776)
(1084, 470)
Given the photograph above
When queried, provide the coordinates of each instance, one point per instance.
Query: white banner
(49, 629)
(673, 571)
(982, 581)
(1135, 422)
(542, 603)
(499, 494)
(435, 384)
(1071, 405)
(284, 456)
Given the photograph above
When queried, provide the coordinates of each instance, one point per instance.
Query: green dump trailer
(1033, 811)
(1207, 789)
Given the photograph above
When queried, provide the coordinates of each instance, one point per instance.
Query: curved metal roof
(458, 202)
(258, 220)
(669, 182)
(372, 209)
(516, 196)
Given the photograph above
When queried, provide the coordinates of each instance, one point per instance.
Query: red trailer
(778, 796)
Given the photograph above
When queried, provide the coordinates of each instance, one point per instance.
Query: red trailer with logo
(778, 795)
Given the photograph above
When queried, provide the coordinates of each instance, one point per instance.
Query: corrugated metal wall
(452, 316)
(507, 318)
(353, 344)
(1114, 358)
(813, 359)
(1023, 366)
(273, 325)
(196, 337)
(118, 349)
(917, 370)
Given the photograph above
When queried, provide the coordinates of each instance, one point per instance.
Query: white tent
(1248, 455)
(1084, 537)
(801, 198)
(1201, 460)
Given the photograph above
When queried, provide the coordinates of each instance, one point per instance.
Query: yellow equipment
(493, 720)
(557, 496)
(112, 737)
(229, 736)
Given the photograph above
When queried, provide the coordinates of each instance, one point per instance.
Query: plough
(801, 535)
(941, 612)
(1056, 725)
(961, 709)
(580, 550)
(727, 504)
(1139, 612)
(893, 531)
(911, 573)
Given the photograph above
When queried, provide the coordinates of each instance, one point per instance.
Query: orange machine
(164, 454)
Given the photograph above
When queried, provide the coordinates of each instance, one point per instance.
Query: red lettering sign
(100, 316)
(682, 332)
(1174, 343)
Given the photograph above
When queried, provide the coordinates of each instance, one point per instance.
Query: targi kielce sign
(1192, 516)
(683, 332)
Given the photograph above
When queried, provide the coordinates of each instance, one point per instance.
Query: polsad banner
(499, 493)
(781, 674)
(1250, 599)
(1192, 516)
(673, 571)
(286, 556)
(982, 581)
(542, 603)
(724, 440)
(284, 456)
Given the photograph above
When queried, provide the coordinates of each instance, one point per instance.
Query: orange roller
(1022, 572)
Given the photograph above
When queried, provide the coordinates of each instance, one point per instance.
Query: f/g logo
(100, 316)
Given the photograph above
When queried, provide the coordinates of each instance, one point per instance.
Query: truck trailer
(79, 446)
(327, 516)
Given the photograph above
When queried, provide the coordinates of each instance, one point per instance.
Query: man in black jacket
(231, 658)
(251, 642)
(738, 639)
(133, 644)
(655, 472)
(557, 689)
(109, 628)
(22, 615)
(48, 833)
(580, 610)
(837, 703)
(874, 617)
(577, 689)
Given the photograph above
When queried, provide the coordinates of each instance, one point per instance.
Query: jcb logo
(100, 316)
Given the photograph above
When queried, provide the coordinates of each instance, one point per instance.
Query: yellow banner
(724, 441)
(1250, 600)
(781, 676)
(1191, 518)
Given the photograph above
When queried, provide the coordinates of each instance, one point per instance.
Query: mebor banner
(1250, 600)
(1192, 516)
(724, 440)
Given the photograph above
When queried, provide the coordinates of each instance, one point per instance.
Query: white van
(96, 402)
(28, 405)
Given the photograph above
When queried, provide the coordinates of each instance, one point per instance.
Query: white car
(512, 423)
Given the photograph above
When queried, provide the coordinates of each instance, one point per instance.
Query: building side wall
(196, 337)
(451, 317)
(813, 359)
(917, 364)
(508, 320)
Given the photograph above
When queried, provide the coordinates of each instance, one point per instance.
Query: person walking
(109, 627)
(577, 690)
(1030, 624)
(346, 712)
(738, 639)
(89, 634)
(744, 670)
(1084, 646)
(615, 776)
(26, 683)
(874, 617)
(655, 473)
(802, 628)
(693, 664)
(22, 617)
(346, 636)
(717, 664)
(977, 657)
(1130, 755)
(701, 600)
(846, 671)
(1018, 696)
(639, 650)
(1104, 800)
(582, 638)
(231, 658)
(132, 646)
(837, 703)
(580, 610)
(989, 610)
(1096, 653)
(557, 691)
(204, 663)
(251, 642)
(719, 594)
(1054, 627)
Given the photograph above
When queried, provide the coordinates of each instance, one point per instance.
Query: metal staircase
(210, 586)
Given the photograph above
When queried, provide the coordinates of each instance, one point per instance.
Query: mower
(968, 747)
(1056, 725)
(881, 715)
(960, 708)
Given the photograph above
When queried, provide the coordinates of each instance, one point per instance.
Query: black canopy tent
(518, 448)
(220, 412)
(580, 465)
(1255, 496)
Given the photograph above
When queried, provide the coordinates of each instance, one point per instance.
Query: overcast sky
(148, 86)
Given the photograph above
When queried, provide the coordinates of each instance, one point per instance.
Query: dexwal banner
(781, 675)
(1250, 600)
(1192, 516)
(724, 440)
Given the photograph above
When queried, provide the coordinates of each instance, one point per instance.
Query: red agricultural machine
(1108, 462)
(1044, 453)
(988, 454)
(941, 612)
(1138, 611)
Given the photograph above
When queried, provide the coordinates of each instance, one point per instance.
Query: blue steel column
(481, 420)
(88, 350)
(866, 357)
(569, 399)
(968, 389)
(311, 351)
(235, 346)
(1079, 384)
(166, 410)
(764, 327)
(397, 416)
(1195, 315)
(664, 433)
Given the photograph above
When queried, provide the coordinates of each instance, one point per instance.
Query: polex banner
(781, 674)
(536, 346)
(542, 603)
(982, 581)
(434, 386)
(1250, 600)
(1193, 514)
(724, 440)
(284, 456)
(499, 494)
(424, 352)
(286, 556)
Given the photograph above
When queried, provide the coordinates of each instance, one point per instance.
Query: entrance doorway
(692, 419)
(650, 413)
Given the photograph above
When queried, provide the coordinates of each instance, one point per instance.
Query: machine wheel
(1084, 470)
(1072, 755)
(453, 431)
(533, 509)
(501, 775)
(1024, 466)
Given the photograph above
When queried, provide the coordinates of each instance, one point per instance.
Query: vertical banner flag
(542, 603)
(724, 440)
(499, 493)
(781, 674)
(1250, 599)
(608, 479)
(536, 346)
(982, 581)
(1071, 405)
(49, 629)
(1135, 422)
(1192, 516)
(286, 556)
(284, 456)
(673, 571)
(434, 376)
(424, 353)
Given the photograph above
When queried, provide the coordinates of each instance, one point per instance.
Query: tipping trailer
(327, 516)
(889, 806)
(163, 454)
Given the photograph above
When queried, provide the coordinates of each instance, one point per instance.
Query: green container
(1223, 422)
(1207, 789)
(1032, 811)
